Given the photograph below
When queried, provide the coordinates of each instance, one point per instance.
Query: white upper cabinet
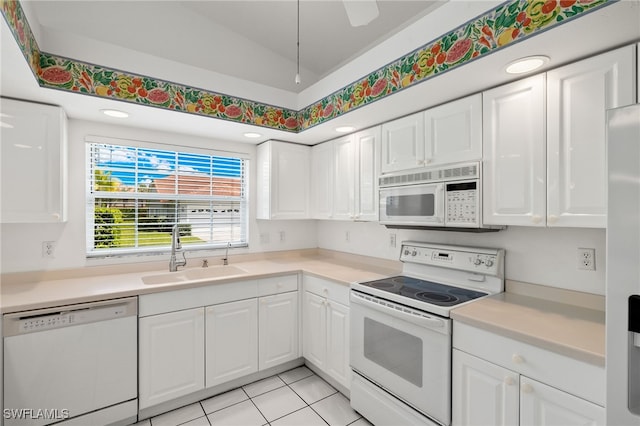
(345, 177)
(322, 181)
(367, 157)
(283, 180)
(578, 96)
(33, 172)
(448, 133)
(403, 143)
(453, 131)
(514, 148)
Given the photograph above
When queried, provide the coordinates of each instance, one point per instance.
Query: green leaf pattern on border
(512, 21)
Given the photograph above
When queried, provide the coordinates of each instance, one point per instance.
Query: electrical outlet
(392, 240)
(48, 249)
(282, 237)
(587, 259)
(347, 236)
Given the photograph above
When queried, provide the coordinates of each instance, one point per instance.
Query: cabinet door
(482, 393)
(291, 181)
(338, 343)
(344, 178)
(33, 163)
(578, 97)
(322, 180)
(367, 144)
(231, 341)
(514, 160)
(542, 405)
(278, 329)
(453, 131)
(283, 171)
(403, 143)
(314, 323)
(171, 356)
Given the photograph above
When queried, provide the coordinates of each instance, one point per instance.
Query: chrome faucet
(175, 245)
(225, 261)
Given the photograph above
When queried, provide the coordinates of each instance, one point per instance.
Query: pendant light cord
(298, 47)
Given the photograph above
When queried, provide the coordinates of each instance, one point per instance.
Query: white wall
(22, 243)
(545, 256)
(540, 256)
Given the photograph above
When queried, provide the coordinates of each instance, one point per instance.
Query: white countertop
(34, 290)
(575, 331)
(572, 330)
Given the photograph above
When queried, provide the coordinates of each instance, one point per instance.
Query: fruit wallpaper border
(510, 22)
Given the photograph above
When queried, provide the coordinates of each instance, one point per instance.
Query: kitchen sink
(186, 275)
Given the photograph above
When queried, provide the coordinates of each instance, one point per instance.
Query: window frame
(90, 198)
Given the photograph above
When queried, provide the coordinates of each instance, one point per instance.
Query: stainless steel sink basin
(194, 274)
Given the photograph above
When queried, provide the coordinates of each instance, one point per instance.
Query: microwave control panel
(462, 204)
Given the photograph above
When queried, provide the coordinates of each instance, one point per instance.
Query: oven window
(411, 205)
(394, 350)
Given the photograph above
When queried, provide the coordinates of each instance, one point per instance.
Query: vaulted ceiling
(248, 49)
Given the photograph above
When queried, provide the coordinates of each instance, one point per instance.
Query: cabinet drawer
(275, 285)
(213, 294)
(326, 288)
(569, 374)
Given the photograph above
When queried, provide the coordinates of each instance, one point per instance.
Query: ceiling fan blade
(360, 12)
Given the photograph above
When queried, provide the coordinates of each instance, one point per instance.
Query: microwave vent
(469, 171)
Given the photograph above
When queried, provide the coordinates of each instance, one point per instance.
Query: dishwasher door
(64, 362)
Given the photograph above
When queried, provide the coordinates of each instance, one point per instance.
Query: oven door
(412, 205)
(405, 351)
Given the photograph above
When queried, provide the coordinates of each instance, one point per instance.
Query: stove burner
(406, 280)
(429, 296)
(425, 291)
(384, 285)
(466, 293)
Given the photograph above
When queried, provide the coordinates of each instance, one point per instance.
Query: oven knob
(477, 262)
(406, 252)
(413, 253)
(488, 263)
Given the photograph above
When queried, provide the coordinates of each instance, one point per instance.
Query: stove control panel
(478, 260)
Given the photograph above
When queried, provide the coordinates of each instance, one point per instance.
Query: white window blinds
(136, 195)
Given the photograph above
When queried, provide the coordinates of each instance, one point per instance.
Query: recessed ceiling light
(345, 129)
(523, 65)
(115, 113)
(252, 135)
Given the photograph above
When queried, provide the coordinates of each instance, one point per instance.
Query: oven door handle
(398, 311)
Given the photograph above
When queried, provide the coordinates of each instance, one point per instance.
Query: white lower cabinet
(171, 356)
(278, 329)
(483, 393)
(493, 385)
(338, 342)
(325, 322)
(231, 341)
(542, 405)
(202, 337)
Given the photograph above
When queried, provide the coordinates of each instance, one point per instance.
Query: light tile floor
(296, 397)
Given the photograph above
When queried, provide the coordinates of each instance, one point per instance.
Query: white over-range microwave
(446, 197)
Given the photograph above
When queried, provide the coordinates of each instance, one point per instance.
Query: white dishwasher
(74, 364)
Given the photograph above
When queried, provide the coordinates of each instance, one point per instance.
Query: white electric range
(401, 331)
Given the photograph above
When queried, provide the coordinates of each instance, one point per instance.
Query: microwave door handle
(421, 319)
(440, 205)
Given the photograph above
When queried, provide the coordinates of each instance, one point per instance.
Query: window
(137, 194)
